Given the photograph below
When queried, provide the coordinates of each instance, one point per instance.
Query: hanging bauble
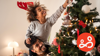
(55, 42)
(86, 9)
(67, 20)
(74, 42)
(98, 48)
(68, 17)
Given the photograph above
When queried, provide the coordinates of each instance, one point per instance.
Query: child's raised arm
(65, 4)
(53, 18)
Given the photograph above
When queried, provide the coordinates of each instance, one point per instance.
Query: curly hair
(32, 11)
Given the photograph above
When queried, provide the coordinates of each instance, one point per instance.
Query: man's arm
(58, 13)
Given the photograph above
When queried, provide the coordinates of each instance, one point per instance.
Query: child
(39, 25)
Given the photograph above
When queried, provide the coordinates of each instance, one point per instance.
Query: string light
(90, 31)
(64, 35)
(92, 21)
(96, 28)
(64, 44)
(75, 23)
(87, 20)
(68, 33)
(97, 31)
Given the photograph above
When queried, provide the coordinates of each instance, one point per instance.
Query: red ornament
(24, 5)
(54, 42)
(59, 49)
(65, 13)
(82, 24)
(98, 48)
(68, 17)
(77, 32)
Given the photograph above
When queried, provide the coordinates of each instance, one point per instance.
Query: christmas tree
(78, 19)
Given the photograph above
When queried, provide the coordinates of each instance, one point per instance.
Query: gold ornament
(90, 31)
(57, 37)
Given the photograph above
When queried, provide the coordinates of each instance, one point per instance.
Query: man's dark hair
(32, 41)
(32, 12)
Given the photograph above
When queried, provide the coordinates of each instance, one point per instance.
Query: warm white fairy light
(96, 29)
(90, 21)
(64, 35)
(90, 31)
(86, 20)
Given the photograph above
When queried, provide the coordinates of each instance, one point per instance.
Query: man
(37, 47)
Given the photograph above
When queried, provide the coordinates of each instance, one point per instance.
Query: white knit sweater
(42, 31)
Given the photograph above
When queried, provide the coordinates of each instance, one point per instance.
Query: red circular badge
(86, 42)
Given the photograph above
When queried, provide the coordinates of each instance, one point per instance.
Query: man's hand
(28, 40)
(65, 4)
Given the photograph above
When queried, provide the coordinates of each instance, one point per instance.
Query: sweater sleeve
(29, 30)
(53, 18)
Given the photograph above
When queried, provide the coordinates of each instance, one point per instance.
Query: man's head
(37, 11)
(36, 46)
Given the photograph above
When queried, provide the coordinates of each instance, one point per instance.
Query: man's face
(41, 13)
(39, 47)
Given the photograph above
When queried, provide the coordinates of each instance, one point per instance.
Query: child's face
(41, 13)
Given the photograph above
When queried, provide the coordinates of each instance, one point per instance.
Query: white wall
(96, 3)
(13, 23)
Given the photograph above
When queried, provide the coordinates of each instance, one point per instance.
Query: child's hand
(28, 40)
(65, 4)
